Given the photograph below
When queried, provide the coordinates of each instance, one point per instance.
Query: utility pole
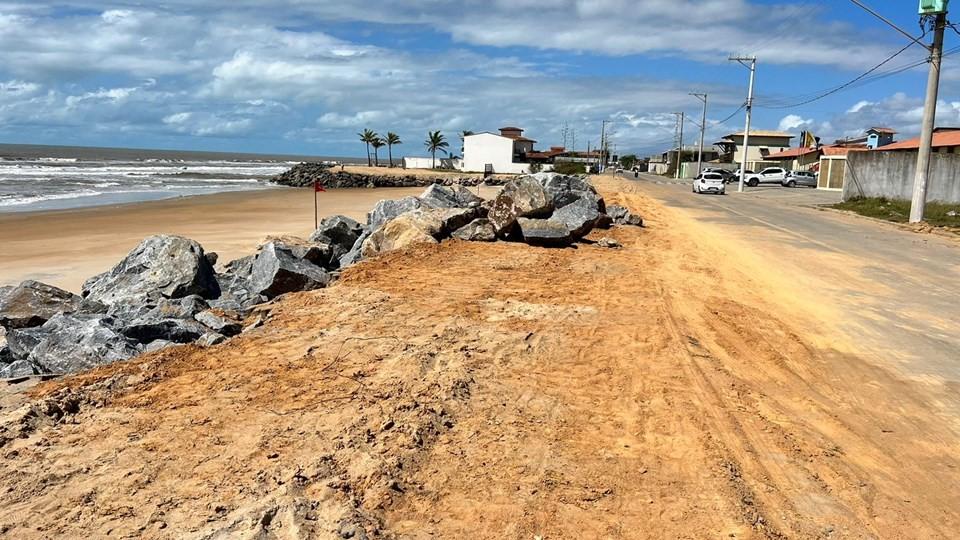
(746, 132)
(919, 200)
(703, 128)
(603, 144)
(681, 118)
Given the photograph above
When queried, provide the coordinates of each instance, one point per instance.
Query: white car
(709, 183)
(770, 175)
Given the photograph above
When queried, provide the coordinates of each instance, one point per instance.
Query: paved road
(900, 290)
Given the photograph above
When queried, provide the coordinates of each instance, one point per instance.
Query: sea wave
(32, 199)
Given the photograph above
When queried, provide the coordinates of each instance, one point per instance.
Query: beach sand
(66, 247)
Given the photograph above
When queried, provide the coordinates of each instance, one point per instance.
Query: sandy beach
(66, 247)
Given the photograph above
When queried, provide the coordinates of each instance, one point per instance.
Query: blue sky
(304, 77)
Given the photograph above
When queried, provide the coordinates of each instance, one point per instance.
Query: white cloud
(858, 106)
(793, 121)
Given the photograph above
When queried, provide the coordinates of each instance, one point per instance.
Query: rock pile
(304, 174)
(167, 290)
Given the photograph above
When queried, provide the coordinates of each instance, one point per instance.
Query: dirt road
(664, 390)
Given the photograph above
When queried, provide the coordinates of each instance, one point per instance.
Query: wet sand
(66, 247)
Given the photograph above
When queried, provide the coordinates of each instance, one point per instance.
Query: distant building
(946, 140)
(508, 152)
(762, 144)
(667, 161)
(875, 137)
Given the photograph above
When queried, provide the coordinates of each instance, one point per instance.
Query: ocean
(36, 177)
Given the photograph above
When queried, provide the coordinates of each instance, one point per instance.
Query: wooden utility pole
(921, 178)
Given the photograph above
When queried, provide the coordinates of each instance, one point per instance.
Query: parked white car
(709, 183)
(770, 175)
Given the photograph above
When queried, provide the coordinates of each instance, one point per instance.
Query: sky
(304, 77)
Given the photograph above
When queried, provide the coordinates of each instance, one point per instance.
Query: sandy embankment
(471, 390)
(66, 247)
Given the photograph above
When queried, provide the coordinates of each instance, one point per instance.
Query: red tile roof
(521, 139)
(843, 150)
(792, 153)
(942, 137)
(510, 128)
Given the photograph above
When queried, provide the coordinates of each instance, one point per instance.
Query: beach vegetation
(377, 143)
(367, 137)
(392, 139)
(435, 141)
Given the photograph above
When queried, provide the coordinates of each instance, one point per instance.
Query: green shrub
(569, 167)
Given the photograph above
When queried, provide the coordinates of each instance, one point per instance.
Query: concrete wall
(486, 148)
(890, 175)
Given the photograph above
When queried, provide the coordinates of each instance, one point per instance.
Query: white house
(501, 154)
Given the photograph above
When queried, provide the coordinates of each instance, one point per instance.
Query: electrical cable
(842, 86)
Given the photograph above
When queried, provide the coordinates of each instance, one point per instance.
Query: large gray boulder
(17, 369)
(22, 341)
(621, 216)
(386, 210)
(580, 216)
(544, 232)
(438, 196)
(417, 227)
(33, 303)
(5, 355)
(340, 233)
(219, 322)
(564, 189)
(520, 197)
(355, 254)
(148, 330)
(478, 230)
(162, 265)
(73, 343)
(276, 270)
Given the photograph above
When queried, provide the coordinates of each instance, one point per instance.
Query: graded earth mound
(492, 390)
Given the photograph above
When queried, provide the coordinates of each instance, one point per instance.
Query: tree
(435, 141)
(628, 161)
(367, 137)
(392, 139)
(377, 143)
(463, 137)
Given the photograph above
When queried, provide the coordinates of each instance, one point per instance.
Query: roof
(842, 150)
(510, 128)
(942, 137)
(762, 133)
(883, 130)
(792, 153)
(522, 139)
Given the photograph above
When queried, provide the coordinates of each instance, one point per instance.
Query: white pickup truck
(770, 175)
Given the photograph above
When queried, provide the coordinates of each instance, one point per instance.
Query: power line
(842, 86)
(734, 113)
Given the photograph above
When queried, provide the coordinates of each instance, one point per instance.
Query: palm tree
(392, 139)
(463, 136)
(377, 143)
(435, 141)
(367, 137)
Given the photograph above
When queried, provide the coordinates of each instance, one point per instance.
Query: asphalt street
(899, 290)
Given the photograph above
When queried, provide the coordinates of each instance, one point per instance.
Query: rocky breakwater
(304, 175)
(168, 290)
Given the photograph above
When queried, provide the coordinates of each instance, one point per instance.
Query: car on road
(728, 176)
(736, 175)
(709, 182)
(770, 175)
(800, 178)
